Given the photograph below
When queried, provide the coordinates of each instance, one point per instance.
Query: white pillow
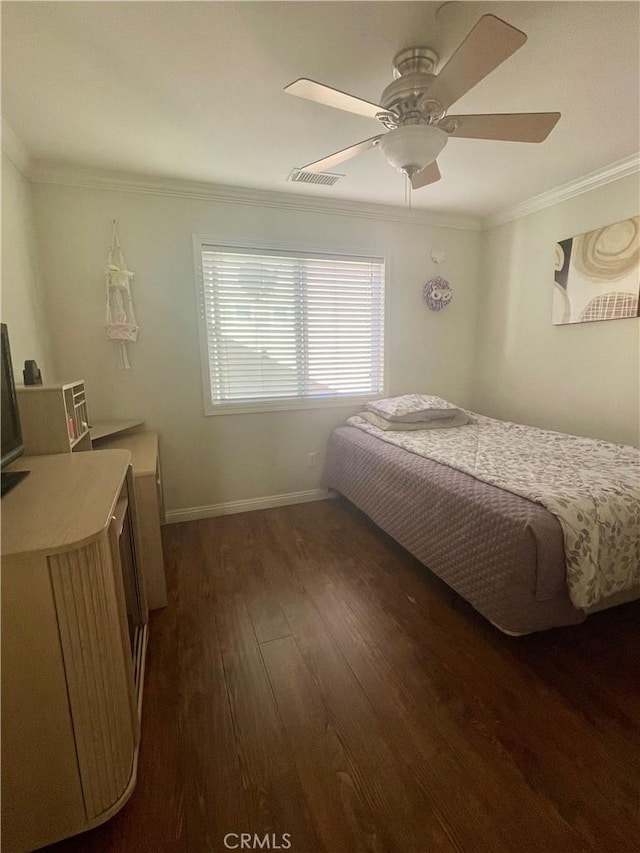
(412, 408)
(453, 418)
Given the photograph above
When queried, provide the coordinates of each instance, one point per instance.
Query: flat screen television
(12, 445)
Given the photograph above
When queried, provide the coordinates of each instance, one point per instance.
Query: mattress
(503, 553)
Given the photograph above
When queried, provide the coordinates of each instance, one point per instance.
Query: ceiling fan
(414, 106)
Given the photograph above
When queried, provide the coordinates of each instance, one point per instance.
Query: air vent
(302, 177)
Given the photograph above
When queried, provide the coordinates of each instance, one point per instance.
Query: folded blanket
(414, 408)
(452, 418)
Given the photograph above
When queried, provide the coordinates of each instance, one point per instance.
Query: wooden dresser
(74, 637)
(55, 419)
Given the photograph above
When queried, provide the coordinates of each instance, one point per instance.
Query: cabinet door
(135, 547)
(42, 797)
(124, 544)
(88, 594)
(129, 620)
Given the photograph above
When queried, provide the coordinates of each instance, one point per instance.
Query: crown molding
(15, 149)
(613, 172)
(44, 172)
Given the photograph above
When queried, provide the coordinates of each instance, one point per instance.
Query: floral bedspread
(591, 486)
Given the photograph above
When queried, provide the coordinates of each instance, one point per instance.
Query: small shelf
(54, 418)
(103, 429)
(74, 442)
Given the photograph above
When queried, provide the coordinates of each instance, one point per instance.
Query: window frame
(205, 241)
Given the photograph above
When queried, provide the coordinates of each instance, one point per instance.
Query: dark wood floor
(309, 677)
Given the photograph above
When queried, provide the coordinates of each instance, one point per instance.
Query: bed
(508, 555)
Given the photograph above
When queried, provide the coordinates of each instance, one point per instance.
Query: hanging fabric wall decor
(121, 320)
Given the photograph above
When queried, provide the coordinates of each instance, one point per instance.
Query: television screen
(11, 433)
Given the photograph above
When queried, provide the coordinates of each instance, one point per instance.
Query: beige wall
(581, 378)
(210, 460)
(23, 307)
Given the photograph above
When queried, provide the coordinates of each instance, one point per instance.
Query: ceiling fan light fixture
(412, 147)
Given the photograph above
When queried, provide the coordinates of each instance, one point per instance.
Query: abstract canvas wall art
(597, 274)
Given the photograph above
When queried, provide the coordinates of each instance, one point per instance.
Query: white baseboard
(193, 513)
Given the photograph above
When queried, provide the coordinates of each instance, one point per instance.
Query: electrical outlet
(312, 458)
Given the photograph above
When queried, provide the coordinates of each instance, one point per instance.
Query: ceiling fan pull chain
(407, 190)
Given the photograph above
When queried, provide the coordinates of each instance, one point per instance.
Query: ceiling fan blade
(488, 44)
(507, 127)
(429, 175)
(340, 156)
(322, 94)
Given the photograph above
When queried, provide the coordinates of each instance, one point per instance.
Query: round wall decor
(437, 293)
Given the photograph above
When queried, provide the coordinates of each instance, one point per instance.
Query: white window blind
(291, 326)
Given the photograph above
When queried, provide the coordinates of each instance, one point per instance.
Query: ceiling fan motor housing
(415, 59)
(407, 96)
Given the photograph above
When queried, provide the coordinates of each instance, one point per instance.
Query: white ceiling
(194, 90)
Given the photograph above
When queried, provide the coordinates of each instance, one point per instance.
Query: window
(287, 329)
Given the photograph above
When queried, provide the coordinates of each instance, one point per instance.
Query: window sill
(288, 405)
